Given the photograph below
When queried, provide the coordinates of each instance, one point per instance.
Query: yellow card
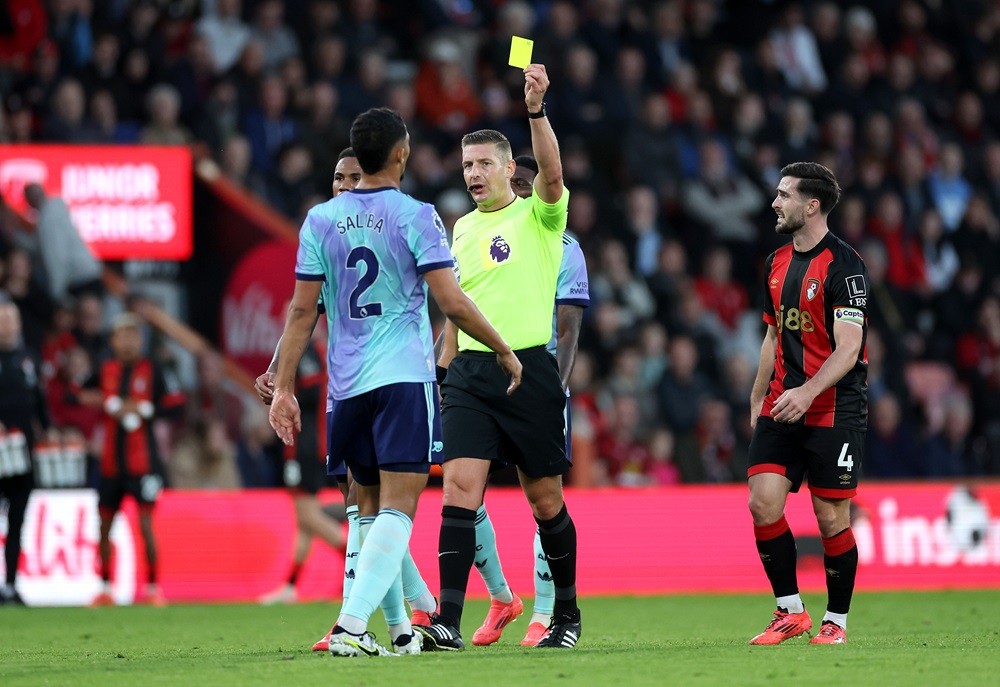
(520, 51)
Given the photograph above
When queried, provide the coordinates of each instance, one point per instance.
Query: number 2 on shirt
(366, 255)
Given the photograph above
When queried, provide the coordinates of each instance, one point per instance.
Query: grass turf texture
(947, 638)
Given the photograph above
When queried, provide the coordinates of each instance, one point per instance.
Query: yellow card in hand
(520, 51)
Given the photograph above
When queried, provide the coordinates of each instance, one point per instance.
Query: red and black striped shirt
(804, 295)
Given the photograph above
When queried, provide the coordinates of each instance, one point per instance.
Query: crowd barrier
(235, 546)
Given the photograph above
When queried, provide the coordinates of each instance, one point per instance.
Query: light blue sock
(353, 547)
(415, 590)
(545, 591)
(384, 542)
(488, 560)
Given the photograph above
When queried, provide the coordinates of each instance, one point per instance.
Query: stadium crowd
(675, 117)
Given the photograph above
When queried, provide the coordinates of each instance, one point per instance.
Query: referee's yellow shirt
(508, 264)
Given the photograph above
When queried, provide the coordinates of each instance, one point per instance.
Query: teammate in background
(422, 603)
(572, 296)
(508, 252)
(304, 473)
(134, 393)
(370, 249)
(809, 406)
(23, 412)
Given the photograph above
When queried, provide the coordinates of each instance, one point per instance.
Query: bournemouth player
(346, 177)
(508, 252)
(572, 296)
(808, 406)
(375, 251)
(134, 393)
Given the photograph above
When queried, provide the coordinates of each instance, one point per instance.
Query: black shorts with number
(145, 489)
(527, 428)
(829, 458)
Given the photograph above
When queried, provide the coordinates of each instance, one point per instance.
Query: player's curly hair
(373, 136)
(815, 181)
(489, 136)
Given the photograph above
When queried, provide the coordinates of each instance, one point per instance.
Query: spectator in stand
(949, 189)
(891, 450)
(641, 214)
(104, 119)
(797, 52)
(649, 149)
(268, 126)
(979, 236)
(948, 451)
(978, 361)
(368, 88)
(292, 182)
(617, 283)
(717, 289)
(712, 453)
(661, 470)
(906, 268)
(446, 97)
(279, 41)
(226, 32)
(234, 163)
(164, 128)
(620, 445)
(939, 255)
(204, 458)
(683, 387)
(721, 201)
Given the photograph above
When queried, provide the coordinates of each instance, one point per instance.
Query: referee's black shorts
(528, 428)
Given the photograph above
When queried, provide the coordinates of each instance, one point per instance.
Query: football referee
(507, 252)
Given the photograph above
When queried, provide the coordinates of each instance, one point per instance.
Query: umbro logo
(774, 283)
(845, 478)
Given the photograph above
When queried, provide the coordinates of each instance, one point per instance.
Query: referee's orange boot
(830, 633)
(784, 626)
(499, 616)
(323, 644)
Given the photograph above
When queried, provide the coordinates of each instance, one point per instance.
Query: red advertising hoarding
(127, 202)
(255, 303)
(236, 546)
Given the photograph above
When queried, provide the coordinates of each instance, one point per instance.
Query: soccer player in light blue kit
(572, 296)
(377, 250)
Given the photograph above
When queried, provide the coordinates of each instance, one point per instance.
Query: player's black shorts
(307, 475)
(145, 489)
(829, 458)
(527, 428)
(306, 472)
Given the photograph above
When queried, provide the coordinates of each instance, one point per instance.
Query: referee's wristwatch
(537, 115)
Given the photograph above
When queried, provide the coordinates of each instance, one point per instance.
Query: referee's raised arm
(549, 181)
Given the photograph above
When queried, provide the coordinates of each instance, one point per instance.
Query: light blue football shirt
(371, 247)
(573, 286)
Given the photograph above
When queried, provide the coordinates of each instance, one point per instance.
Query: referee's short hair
(815, 181)
(373, 136)
(489, 136)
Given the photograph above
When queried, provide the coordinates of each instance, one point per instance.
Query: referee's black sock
(456, 551)
(840, 560)
(558, 537)
(776, 547)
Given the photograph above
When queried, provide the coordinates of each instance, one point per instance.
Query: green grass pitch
(945, 638)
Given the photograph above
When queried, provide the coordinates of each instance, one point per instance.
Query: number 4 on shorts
(845, 460)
